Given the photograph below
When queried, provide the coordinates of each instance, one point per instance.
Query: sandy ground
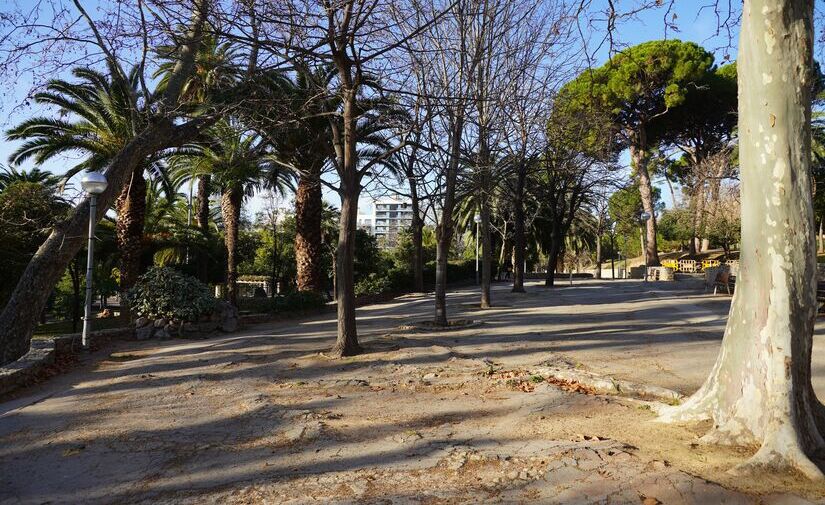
(422, 417)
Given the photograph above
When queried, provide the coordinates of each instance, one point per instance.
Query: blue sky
(693, 25)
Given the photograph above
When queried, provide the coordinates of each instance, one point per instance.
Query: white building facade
(390, 216)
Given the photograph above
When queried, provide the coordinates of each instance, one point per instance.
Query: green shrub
(373, 284)
(167, 293)
(290, 302)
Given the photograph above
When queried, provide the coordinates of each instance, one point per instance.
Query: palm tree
(214, 70)
(106, 115)
(298, 129)
(10, 175)
(239, 165)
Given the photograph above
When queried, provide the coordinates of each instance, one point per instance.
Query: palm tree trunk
(231, 201)
(131, 214)
(202, 214)
(308, 206)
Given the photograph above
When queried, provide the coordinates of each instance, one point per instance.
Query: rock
(659, 465)
(227, 316)
(171, 329)
(512, 475)
(160, 323)
(430, 376)
(141, 322)
(306, 432)
(144, 332)
(407, 436)
(162, 334)
(208, 326)
(523, 475)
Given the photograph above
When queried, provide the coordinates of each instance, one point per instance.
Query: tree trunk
(417, 226)
(131, 214)
(759, 391)
(694, 226)
(638, 155)
(231, 201)
(20, 316)
(308, 247)
(518, 233)
(444, 230)
(276, 258)
(418, 249)
(556, 238)
(74, 274)
(598, 273)
(202, 218)
(713, 203)
(699, 215)
(202, 214)
(486, 254)
(347, 341)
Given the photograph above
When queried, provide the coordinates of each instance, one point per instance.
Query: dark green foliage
(675, 225)
(168, 293)
(625, 207)
(641, 81)
(296, 301)
(28, 211)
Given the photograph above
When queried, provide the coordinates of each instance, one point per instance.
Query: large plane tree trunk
(308, 209)
(638, 155)
(759, 391)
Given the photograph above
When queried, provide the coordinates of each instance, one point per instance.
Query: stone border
(428, 326)
(45, 352)
(565, 370)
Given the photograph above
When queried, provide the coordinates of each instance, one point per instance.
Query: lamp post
(477, 221)
(93, 183)
(643, 217)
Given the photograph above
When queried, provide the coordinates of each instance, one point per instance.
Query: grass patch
(63, 327)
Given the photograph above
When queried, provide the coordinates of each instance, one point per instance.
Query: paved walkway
(262, 417)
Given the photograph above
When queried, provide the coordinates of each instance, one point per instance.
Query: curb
(43, 353)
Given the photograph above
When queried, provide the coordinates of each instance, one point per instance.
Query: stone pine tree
(701, 129)
(759, 391)
(637, 86)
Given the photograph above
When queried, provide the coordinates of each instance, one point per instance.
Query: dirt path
(262, 417)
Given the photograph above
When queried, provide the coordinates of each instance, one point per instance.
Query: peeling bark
(759, 391)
